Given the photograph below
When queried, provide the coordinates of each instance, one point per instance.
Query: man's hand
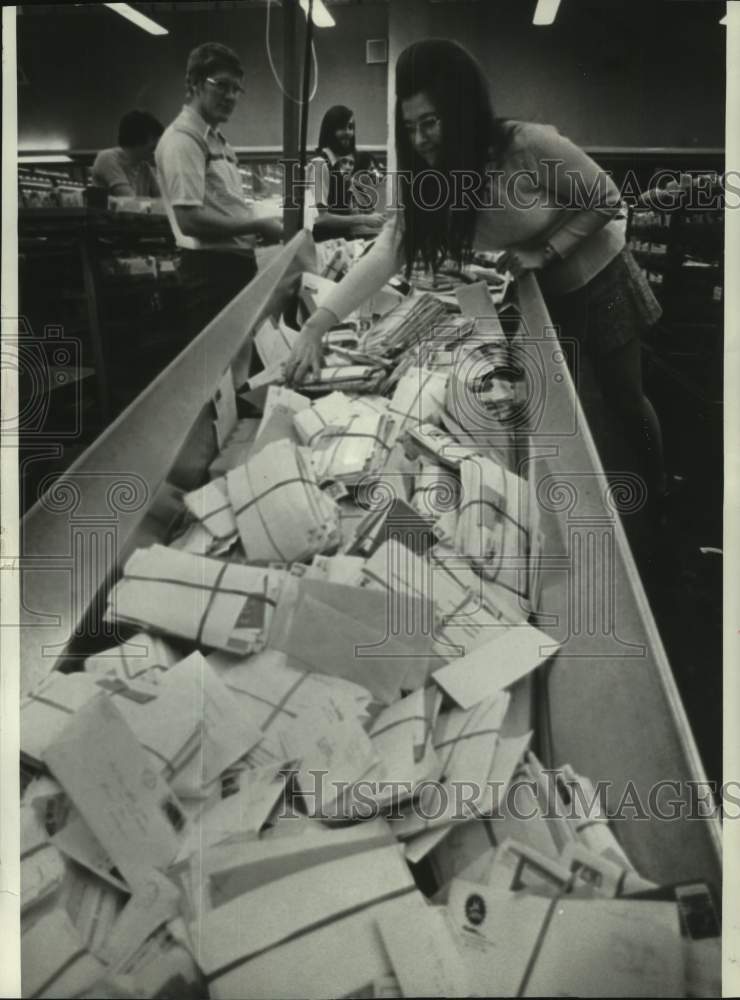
(270, 230)
(518, 261)
(373, 220)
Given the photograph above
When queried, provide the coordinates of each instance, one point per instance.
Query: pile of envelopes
(292, 774)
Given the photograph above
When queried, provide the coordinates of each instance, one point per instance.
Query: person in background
(560, 223)
(215, 229)
(126, 170)
(329, 180)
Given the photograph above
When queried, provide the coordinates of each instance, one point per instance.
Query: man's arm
(206, 223)
(181, 168)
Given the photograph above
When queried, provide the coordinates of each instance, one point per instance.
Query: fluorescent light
(137, 18)
(319, 14)
(49, 158)
(545, 11)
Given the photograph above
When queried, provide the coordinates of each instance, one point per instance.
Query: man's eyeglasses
(226, 87)
(425, 125)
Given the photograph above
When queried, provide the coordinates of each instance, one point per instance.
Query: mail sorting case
(607, 703)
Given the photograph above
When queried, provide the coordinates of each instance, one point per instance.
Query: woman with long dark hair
(330, 179)
(470, 180)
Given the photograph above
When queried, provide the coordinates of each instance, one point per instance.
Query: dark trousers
(209, 280)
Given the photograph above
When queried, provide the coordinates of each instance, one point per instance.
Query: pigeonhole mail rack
(607, 703)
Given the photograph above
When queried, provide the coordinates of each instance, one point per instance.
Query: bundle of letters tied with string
(291, 778)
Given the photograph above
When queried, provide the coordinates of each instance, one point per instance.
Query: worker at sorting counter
(126, 169)
(215, 230)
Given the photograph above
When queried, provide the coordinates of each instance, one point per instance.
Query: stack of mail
(477, 765)
(435, 444)
(436, 495)
(393, 519)
(467, 612)
(333, 413)
(418, 398)
(486, 398)
(493, 523)
(206, 601)
(347, 377)
(415, 319)
(358, 450)
(329, 412)
(279, 509)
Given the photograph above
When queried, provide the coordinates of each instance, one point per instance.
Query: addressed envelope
(334, 752)
(426, 958)
(110, 779)
(227, 731)
(497, 932)
(228, 938)
(49, 707)
(76, 840)
(244, 810)
(507, 656)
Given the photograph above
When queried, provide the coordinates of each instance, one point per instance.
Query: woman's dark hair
(472, 137)
(138, 127)
(334, 119)
(210, 58)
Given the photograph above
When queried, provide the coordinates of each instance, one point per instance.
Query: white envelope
(426, 958)
(227, 731)
(507, 656)
(109, 777)
(228, 938)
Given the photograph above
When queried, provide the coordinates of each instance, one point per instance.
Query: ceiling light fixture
(137, 18)
(319, 14)
(545, 12)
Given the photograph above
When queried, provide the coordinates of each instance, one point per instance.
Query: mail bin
(607, 704)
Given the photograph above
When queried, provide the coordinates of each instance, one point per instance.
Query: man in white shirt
(201, 186)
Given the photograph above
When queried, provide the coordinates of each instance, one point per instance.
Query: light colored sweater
(546, 190)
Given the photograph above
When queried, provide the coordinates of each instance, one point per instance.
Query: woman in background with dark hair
(126, 169)
(470, 180)
(329, 180)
